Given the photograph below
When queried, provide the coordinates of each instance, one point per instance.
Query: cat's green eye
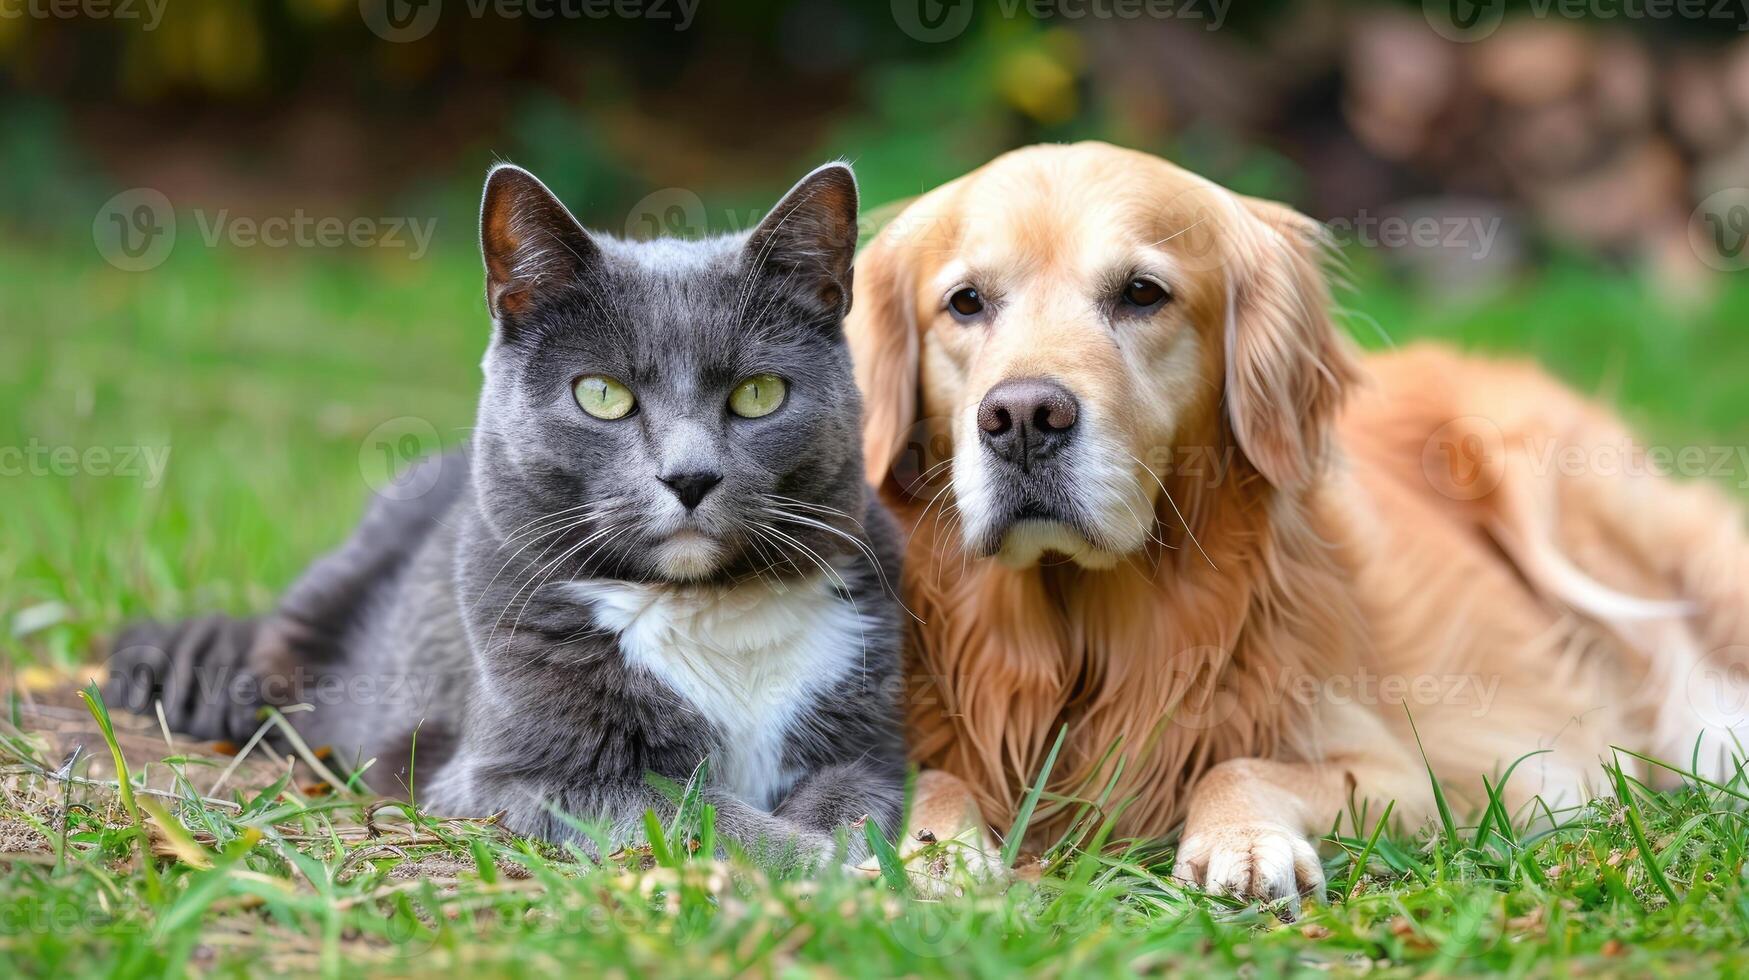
(604, 397)
(756, 396)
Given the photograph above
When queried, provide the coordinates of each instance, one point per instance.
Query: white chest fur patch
(750, 658)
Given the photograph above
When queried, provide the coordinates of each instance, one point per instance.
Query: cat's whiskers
(923, 515)
(555, 535)
(538, 577)
(592, 511)
(593, 629)
(545, 519)
(813, 556)
(832, 575)
(923, 480)
(943, 469)
(818, 508)
(776, 546)
(929, 474)
(750, 284)
(860, 545)
(949, 522)
(761, 571)
(545, 575)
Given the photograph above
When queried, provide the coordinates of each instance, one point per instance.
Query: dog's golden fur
(1287, 537)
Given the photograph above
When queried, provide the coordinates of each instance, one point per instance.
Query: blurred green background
(239, 283)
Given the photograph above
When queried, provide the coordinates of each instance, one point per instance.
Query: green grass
(278, 382)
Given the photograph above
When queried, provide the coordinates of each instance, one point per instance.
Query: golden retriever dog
(1155, 499)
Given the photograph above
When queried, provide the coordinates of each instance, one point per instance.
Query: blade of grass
(1087, 818)
(187, 849)
(66, 807)
(1496, 809)
(483, 862)
(1023, 818)
(1683, 833)
(1446, 822)
(304, 752)
(892, 869)
(1647, 857)
(93, 699)
(1684, 773)
(1366, 852)
(686, 808)
(203, 890)
(658, 841)
(707, 831)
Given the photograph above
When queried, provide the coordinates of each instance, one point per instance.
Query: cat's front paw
(792, 849)
(196, 669)
(1253, 860)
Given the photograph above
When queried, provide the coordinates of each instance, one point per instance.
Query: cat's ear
(531, 243)
(811, 234)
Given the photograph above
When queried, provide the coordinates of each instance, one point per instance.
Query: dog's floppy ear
(1288, 368)
(882, 328)
(530, 242)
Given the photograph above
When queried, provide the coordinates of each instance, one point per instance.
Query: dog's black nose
(690, 488)
(1027, 420)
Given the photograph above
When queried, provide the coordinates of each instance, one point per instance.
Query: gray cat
(658, 551)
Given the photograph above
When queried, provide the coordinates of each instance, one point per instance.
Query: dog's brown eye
(1144, 293)
(966, 302)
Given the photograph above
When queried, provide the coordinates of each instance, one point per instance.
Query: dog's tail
(198, 669)
(1676, 557)
(1525, 526)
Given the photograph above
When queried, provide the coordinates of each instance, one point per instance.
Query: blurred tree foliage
(607, 109)
(301, 98)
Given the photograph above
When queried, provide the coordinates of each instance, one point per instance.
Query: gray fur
(446, 614)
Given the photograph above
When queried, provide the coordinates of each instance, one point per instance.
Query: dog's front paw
(1264, 861)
